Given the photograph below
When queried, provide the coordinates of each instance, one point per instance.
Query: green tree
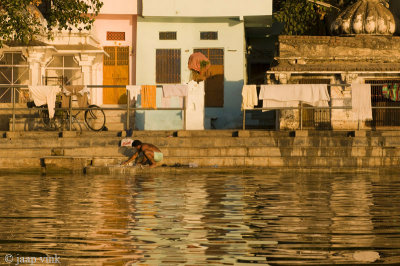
(22, 20)
(305, 17)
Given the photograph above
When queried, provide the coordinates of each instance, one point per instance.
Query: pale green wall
(206, 8)
(230, 38)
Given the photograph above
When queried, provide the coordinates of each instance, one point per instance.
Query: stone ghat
(100, 152)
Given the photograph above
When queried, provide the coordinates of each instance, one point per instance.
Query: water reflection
(215, 218)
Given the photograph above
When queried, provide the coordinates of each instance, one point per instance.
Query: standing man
(151, 154)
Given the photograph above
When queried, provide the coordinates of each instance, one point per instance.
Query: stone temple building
(362, 49)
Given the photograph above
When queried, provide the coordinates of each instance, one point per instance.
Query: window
(115, 36)
(209, 35)
(13, 70)
(65, 69)
(167, 35)
(168, 66)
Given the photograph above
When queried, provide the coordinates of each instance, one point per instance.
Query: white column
(86, 62)
(36, 67)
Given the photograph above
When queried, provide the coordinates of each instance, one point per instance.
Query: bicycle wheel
(95, 118)
(76, 125)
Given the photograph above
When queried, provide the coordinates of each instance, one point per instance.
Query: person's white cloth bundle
(361, 101)
(289, 95)
(45, 95)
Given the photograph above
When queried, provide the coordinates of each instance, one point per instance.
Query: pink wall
(118, 23)
(127, 7)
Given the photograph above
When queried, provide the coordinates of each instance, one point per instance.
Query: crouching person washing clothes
(148, 152)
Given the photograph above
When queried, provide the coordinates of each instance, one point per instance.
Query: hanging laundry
(289, 95)
(148, 93)
(391, 92)
(361, 101)
(173, 90)
(80, 91)
(45, 95)
(249, 97)
(134, 91)
(194, 119)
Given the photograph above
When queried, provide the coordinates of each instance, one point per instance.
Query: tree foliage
(303, 17)
(22, 20)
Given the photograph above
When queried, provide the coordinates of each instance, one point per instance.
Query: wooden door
(214, 84)
(115, 72)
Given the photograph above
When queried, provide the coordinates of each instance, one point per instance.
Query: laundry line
(128, 108)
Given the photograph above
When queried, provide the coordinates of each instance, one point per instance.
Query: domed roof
(365, 17)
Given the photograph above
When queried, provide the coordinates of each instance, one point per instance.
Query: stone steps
(29, 124)
(237, 151)
(202, 142)
(266, 161)
(72, 151)
(108, 151)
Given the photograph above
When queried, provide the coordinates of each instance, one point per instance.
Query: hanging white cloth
(289, 95)
(195, 106)
(173, 90)
(249, 97)
(134, 91)
(45, 95)
(361, 101)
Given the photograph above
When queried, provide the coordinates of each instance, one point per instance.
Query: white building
(145, 42)
(169, 31)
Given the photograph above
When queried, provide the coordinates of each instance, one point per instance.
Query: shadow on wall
(4, 122)
(230, 115)
(394, 6)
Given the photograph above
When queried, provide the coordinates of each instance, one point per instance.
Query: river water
(195, 217)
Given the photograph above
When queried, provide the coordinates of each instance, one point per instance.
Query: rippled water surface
(213, 217)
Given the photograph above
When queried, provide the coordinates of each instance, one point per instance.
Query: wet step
(267, 161)
(21, 165)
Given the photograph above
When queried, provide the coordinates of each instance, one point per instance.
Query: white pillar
(36, 67)
(86, 62)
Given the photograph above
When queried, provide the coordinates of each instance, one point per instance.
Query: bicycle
(94, 117)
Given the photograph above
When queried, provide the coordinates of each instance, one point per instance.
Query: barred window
(168, 66)
(167, 35)
(208, 35)
(115, 36)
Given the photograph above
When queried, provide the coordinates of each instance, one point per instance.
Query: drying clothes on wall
(195, 106)
(45, 95)
(198, 62)
(391, 92)
(361, 101)
(80, 91)
(249, 97)
(173, 90)
(148, 96)
(289, 95)
(134, 91)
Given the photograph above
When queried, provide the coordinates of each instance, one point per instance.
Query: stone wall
(334, 47)
(342, 60)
